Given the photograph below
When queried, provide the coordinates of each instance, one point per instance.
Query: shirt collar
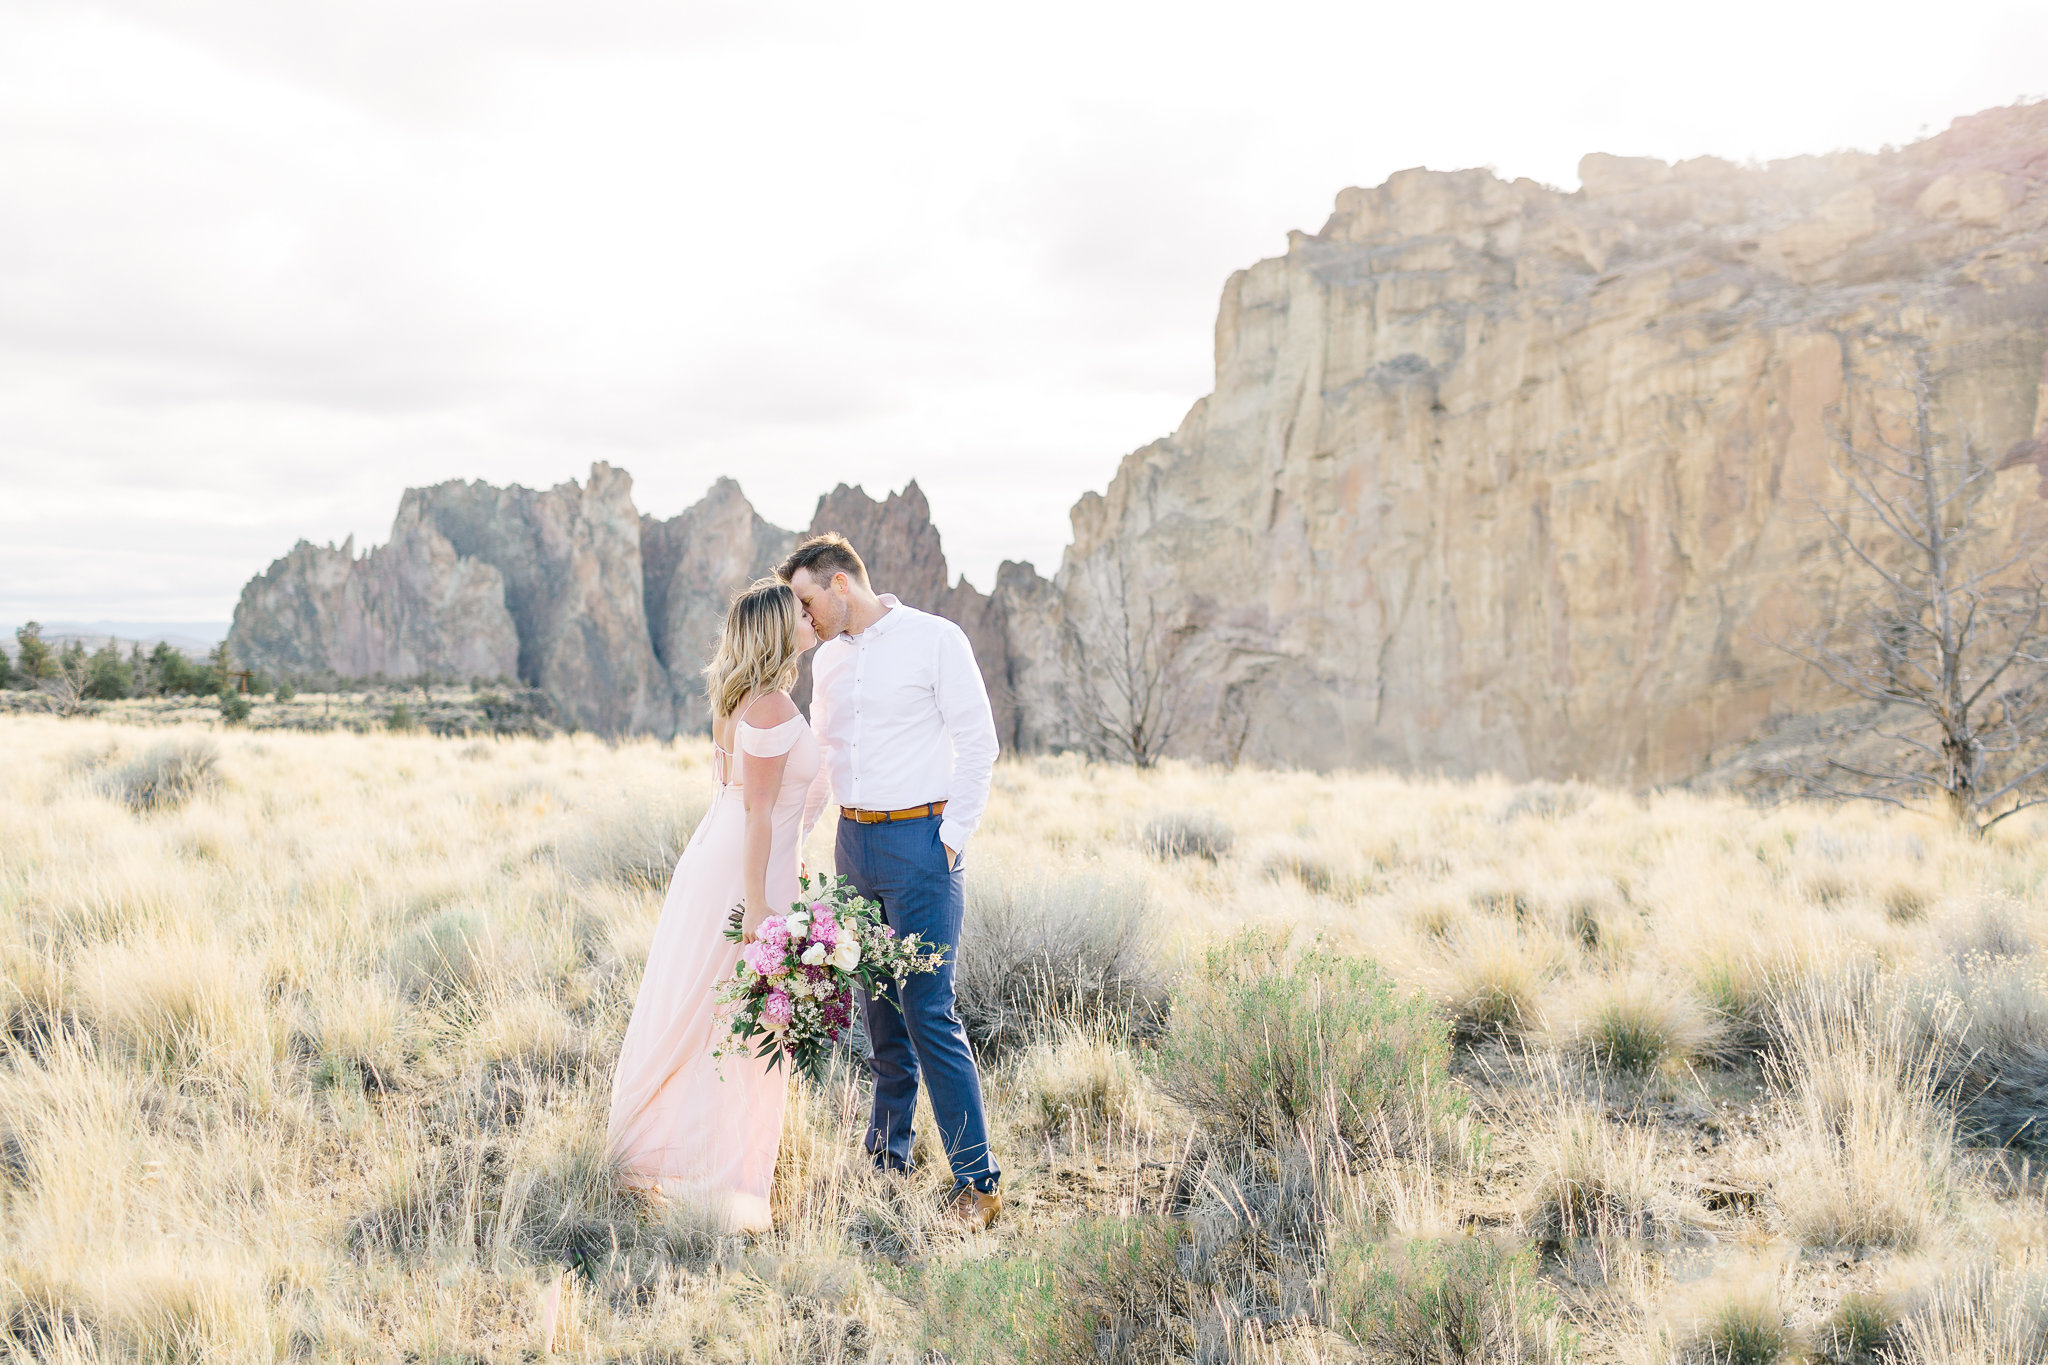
(889, 618)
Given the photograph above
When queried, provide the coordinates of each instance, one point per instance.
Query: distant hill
(195, 638)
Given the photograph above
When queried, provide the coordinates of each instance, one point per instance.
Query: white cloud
(262, 266)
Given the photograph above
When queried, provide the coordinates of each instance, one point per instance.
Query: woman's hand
(750, 922)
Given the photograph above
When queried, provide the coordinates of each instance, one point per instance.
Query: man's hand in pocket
(952, 858)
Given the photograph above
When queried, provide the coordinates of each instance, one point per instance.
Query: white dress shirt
(903, 718)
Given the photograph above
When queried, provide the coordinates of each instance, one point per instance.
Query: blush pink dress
(685, 1123)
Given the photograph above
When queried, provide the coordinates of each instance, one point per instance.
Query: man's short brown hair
(824, 556)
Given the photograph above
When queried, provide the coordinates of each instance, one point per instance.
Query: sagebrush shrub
(1189, 834)
(1635, 1026)
(1038, 954)
(1745, 1330)
(636, 844)
(1282, 1045)
(167, 776)
(451, 956)
(1861, 1326)
(1433, 1301)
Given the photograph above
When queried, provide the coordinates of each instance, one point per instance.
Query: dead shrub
(1864, 1153)
(1747, 1329)
(1493, 980)
(1980, 1024)
(1599, 1181)
(1983, 1316)
(451, 957)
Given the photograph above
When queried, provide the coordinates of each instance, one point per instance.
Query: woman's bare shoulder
(770, 711)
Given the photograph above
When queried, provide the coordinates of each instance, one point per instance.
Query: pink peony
(821, 908)
(774, 931)
(764, 958)
(777, 1010)
(825, 930)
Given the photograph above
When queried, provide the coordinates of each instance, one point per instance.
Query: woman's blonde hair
(757, 650)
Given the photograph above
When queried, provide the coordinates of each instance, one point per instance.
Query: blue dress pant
(901, 866)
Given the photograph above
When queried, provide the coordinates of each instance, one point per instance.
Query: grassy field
(305, 1041)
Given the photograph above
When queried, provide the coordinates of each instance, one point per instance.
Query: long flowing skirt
(682, 1122)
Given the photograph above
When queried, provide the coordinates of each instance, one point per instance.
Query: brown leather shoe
(974, 1209)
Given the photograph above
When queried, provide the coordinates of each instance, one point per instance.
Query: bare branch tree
(69, 680)
(1951, 640)
(1124, 669)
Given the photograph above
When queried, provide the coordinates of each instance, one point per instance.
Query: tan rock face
(1495, 477)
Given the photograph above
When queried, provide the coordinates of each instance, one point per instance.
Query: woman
(683, 1123)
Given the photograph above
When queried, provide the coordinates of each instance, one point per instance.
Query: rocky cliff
(1500, 477)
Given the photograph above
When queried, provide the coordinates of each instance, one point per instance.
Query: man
(902, 717)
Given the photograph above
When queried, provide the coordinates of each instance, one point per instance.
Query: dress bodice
(799, 774)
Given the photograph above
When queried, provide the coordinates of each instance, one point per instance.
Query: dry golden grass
(305, 1039)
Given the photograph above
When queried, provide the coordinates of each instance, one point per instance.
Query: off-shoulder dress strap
(770, 740)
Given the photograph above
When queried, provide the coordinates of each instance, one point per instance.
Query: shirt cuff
(953, 836)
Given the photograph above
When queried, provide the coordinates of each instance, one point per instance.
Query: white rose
(814, 955)
(847, 955)
(799, 925)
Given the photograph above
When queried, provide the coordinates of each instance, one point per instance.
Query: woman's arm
(761, 783)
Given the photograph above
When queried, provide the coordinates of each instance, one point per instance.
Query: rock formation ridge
(611, 613)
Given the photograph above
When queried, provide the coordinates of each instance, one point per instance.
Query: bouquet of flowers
(793, 987)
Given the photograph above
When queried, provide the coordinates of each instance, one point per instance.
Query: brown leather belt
(879, 817)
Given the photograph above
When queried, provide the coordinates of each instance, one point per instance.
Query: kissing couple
(900, 736)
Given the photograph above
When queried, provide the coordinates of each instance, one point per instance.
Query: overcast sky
(265, 263)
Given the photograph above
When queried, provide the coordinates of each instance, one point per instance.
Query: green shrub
(286, 691)
(1434, 1302)
(234, 707)
(108, 676)
(33, 657)
(1001, 1308)
(6, 669)
(401, 717)
(1282, 1046)
(169, 673)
